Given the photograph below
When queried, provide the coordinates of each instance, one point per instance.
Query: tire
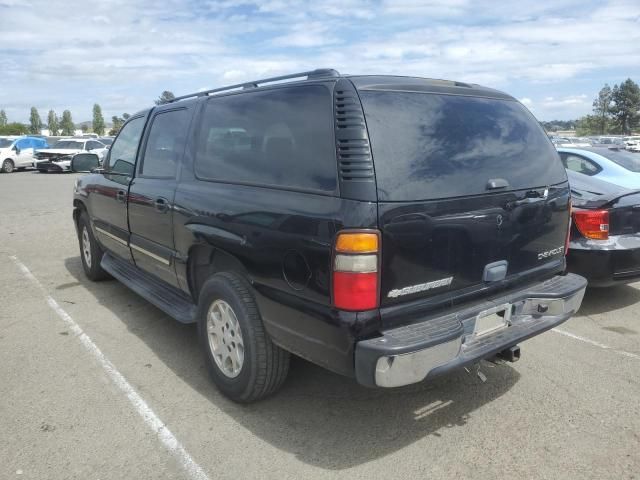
(90, 252)
(264, 365)
(7, 166)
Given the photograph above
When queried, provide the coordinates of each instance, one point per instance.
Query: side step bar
(167, 298)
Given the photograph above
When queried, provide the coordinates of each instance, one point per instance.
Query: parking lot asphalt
(96, 383)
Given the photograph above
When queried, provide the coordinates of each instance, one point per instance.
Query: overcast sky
(554, 55)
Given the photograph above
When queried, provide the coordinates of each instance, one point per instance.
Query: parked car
(255, 210)
(58, 157)
(574, 142)
(605, 235)
(17, 152)
(106, 141)
(611, 164)
(632, 144)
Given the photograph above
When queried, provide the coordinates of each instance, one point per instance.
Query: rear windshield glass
(628, 160)
(428, 146)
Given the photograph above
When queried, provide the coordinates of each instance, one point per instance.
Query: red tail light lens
(355, 271)
(593, 224)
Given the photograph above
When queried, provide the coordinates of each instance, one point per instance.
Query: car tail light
(568, 238)
(593, 224)
(356, 270)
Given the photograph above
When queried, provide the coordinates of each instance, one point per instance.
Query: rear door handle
(121, 195)
(161, 205)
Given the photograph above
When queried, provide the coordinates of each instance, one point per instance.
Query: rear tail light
(593, 224)
(356, 271)
(568, 237)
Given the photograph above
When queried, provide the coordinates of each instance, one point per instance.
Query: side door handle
(121, 196)
(161, 205)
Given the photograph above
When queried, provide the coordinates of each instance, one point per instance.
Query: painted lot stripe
(596, 344)
(165, 436)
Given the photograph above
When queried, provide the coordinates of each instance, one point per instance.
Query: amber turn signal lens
(357, 243)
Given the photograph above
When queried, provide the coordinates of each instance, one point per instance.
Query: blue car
(611, 164)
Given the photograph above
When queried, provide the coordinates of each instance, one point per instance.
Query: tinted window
(69, 145)
(281, 137)
(165, 144)
(123, 152)
(428, 146)
(579, 164)
(24, 143)
(628, 160)
(5, 142)
(94, 145)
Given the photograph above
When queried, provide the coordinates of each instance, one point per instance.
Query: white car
(17, 152)
(632, 144)
(58, 157)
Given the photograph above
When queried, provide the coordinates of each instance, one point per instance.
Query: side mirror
(84, 162)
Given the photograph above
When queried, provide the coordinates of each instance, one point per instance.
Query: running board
(167, 298)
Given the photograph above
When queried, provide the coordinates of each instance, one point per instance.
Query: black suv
(386, 228)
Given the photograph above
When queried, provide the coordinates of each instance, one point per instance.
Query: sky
(553, 55)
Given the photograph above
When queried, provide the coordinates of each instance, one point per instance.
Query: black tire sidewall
(94, 272)
(10, 162)
(220, 287)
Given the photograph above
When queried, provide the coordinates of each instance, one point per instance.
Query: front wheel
(8, 166)
(241, 358)
(90, 252)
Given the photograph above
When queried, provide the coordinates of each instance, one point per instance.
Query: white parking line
(165, 436)
(596, 344)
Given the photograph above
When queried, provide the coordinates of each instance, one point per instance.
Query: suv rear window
(281, 137)
(427, 146)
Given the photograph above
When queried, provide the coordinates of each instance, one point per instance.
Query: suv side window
(122, 157)
(165, 144)
(24, 143)
(92, 145)
(577, 163)
(281, 137)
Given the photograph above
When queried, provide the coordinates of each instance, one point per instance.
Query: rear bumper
(605, 267)
(412, 353)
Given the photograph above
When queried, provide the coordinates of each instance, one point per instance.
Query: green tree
(626, 105)
(35, 123)
(117, 123)
(588, 125)
(165, 97)
(14, 128)
(52, 123)
(3, 118)
(66, 124)
(98, 120)
(602, 108)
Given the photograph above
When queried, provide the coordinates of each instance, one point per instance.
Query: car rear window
(628, 160)
(428, 146)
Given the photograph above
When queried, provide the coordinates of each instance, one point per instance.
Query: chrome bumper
(412, 353)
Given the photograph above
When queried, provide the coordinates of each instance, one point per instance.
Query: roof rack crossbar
(318, 73)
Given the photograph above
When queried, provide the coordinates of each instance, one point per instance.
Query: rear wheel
(8, 166)
(241, 358)
(90, 252)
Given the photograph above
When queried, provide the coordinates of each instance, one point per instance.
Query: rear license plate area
(492, 320)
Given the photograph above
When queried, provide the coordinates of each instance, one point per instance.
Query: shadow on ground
(603, 300)
(324, 419)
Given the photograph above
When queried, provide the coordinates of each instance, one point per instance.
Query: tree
(602, 108)
(117, 123)
(14, 128)
(98, 120)
(3, 118)
(588, 125)
(66, 124)
(35, 123)
(52, 123)
(165, 97)
(626, 105)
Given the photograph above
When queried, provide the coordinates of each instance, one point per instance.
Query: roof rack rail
(318, 73)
